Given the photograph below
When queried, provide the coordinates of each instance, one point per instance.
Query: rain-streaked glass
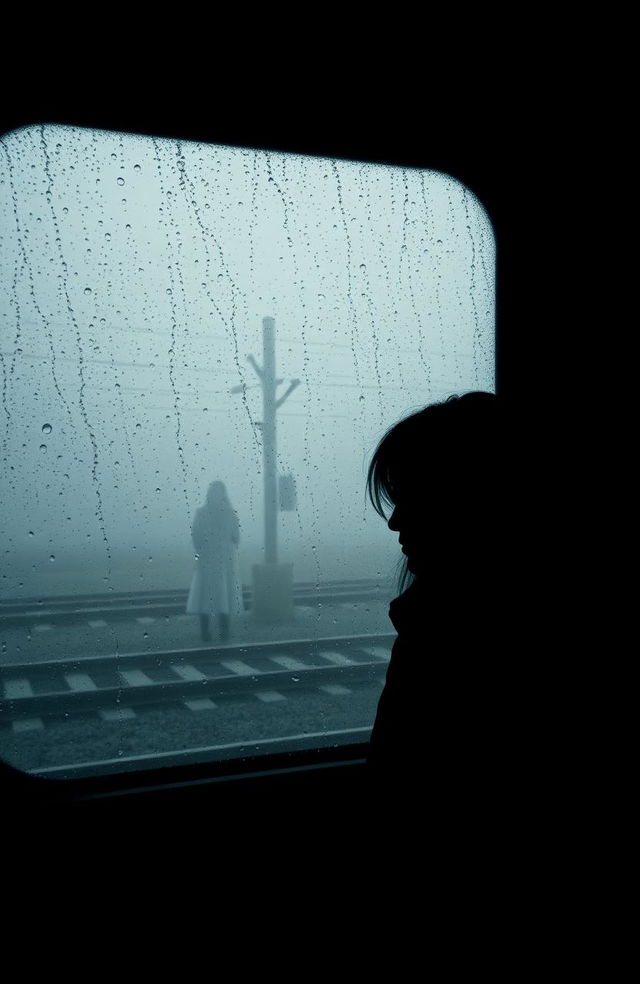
(136, 274)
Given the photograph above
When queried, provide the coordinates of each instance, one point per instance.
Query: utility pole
(269, 435)
(272, 582)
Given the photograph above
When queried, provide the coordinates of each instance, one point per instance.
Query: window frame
(488, 178)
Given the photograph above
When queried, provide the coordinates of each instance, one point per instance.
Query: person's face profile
(434, 518)
(409, 519)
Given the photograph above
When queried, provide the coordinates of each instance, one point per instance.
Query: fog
(135, 277)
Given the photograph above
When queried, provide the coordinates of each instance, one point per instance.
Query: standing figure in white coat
(215, 587)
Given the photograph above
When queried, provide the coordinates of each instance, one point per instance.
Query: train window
(200, 347)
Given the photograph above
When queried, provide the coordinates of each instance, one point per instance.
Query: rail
(127, 604)
(98, 683)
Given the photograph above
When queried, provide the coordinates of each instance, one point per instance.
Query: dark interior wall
(473, 131)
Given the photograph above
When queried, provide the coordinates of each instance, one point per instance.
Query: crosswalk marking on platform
(269, 696)
(145, 620)
(288, 662)
(17, 688)
(80, 681)
(337, 658)
(188, 672)
(334, 688)
(237, 666)
(199, 704)
(135, 678)
(378, 652)
(117, 713)
(97, 623)
(42, 628)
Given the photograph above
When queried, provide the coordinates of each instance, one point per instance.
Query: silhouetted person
(444, 723)
(215, 587)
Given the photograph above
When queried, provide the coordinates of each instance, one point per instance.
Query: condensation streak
(354, 320)
(207, 235)
(174, 325)
(406, 256)
(26, 265)
(65, 291)
(305, 357)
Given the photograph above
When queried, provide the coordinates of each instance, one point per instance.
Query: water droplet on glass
(46, 428)
(136, 167)
(43, 448)
(87, 290)
(120, 181)
(52, 558)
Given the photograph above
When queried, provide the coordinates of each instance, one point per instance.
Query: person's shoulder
(408, 604)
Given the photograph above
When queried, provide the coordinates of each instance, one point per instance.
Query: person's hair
(460, 429)
(217, 496)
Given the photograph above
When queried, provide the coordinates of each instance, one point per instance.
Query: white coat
(215, 586)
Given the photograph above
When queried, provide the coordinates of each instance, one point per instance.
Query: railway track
(124, 605)
(111, 686)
